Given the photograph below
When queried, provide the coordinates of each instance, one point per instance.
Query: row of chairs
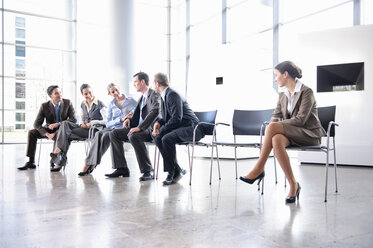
(253, 123)
(245, 123)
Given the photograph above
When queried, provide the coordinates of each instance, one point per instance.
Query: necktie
(164, 111)
(142, 106)
(58, 113)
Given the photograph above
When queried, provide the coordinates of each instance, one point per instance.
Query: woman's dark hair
(84, 86)
(161, 78)
(293, 70)
(51, 88)
(142, 76)
(109, 86)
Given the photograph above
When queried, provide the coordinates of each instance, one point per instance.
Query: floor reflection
(42, 209)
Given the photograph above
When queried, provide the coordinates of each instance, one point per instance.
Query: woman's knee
(274, 128)
(279, 141)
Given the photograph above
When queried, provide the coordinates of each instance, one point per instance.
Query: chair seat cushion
(320, 147)
(237, 144)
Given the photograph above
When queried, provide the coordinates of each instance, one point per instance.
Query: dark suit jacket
(149, 113)
(177, 114)
(304, 112)
(48, 112)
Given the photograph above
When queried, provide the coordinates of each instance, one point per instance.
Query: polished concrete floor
(44, 209)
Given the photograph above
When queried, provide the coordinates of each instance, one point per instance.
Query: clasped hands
(52, 127)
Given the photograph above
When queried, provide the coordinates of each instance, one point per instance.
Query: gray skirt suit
(302, 126)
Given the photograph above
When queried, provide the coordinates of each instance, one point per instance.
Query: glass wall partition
(38, 50)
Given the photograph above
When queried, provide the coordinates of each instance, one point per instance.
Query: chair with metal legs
(206, 125)
(244, 123)
(327, 119)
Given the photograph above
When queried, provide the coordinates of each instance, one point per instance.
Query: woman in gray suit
(294, 122)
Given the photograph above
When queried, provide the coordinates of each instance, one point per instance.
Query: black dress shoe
(28, 165)
(146, 176)
(179, 175)
(120, 172)
(169, 180)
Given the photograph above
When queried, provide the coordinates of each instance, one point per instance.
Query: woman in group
(294, 122)
(94, 111)
(120, 108)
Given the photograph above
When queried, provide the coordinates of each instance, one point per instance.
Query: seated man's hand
(53, 126)
(156, 129)
(134, 130)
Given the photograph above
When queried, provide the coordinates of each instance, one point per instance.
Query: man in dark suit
(53, 112)
(176, 125)
(137, 130)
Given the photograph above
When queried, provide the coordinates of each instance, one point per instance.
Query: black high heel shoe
(87, 172)
(251, 181)
(56, 157)
(291, 199)
(60, 160)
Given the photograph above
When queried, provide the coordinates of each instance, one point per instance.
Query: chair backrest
(248, 122)
(209, 117)
(327, 114)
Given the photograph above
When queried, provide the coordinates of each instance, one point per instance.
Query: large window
(20, 90)
(39, 50)
(239, 41)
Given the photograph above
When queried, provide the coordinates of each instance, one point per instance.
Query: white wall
(354, 138)
(245, 87)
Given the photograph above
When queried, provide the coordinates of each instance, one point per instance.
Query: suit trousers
(167, 146)
(32, 139)
(69, 131)
(99, 146)
(118, 136)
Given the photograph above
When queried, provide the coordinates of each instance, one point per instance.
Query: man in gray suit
(137, 130)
